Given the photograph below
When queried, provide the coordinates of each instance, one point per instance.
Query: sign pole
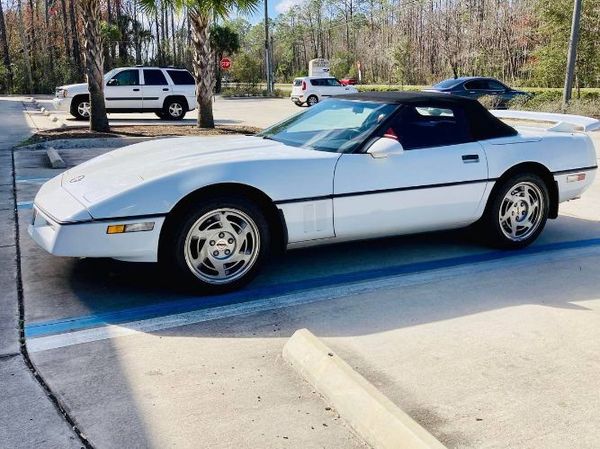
(572, 53)
(267, 55)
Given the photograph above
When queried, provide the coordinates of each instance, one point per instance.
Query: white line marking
(39, 344)
(32, 180)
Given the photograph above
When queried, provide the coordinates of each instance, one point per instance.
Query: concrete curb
(56, 161)
(371, 414)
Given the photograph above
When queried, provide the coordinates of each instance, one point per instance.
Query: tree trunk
(122, 24)
(173, 33)
(5, 53)
(76, 49)
(94, 63)
(65, 28)
(25, 46)
(202, 62)
(158, 47)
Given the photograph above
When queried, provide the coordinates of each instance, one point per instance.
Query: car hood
(74, 88)
(173, 162)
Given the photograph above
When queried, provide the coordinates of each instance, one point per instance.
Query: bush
(551, 101)
(250, 91)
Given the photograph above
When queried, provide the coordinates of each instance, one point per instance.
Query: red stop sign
(225, 63)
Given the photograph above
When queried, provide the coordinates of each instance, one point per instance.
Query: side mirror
(384, 147)
(112, 82)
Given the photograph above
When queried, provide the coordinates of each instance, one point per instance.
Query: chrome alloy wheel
(83, 109)
(521, 211)
(175, 110)
(222, 246)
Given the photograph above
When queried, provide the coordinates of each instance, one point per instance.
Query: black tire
(312, 100)
(174, 108)
(161, 115)
(504, 216)
(78, 107)
(177, 246)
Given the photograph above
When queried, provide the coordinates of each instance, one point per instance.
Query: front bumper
(90, 239)
(61, 104)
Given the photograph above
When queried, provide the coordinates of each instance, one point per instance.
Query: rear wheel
(312, 100)
(518, 212)
(174, 109)
(219, 246)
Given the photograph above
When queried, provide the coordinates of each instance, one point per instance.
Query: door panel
(419, 190)
(155, 88)
(123, 90)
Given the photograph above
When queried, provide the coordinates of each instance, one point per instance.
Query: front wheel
(219, 246)
(518, 212)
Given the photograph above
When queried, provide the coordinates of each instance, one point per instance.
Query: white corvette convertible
(353, 167)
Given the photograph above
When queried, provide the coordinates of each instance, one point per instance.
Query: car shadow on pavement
(100, 286)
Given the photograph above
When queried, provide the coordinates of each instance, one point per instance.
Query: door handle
(136, 90)
(469, 158)
(165, 89)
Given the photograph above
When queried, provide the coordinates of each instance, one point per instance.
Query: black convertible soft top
(483, 124)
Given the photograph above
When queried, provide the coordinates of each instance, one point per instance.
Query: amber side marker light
(132, 227)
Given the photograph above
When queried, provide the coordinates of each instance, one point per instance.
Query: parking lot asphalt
(484, 349)
(259, 112)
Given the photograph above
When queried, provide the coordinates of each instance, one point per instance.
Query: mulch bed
(138, 131)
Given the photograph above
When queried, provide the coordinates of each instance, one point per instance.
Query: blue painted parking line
(71, 324)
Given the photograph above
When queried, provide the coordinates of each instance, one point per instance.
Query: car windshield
(447, 83)
(335, 125)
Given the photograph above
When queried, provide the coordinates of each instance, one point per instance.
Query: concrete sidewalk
(28, 419)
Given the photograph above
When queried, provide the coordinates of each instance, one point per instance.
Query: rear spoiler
(562, 122)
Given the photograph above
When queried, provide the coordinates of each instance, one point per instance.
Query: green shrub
(250, 91)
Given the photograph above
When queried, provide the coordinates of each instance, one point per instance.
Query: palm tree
(224, 40)
(200, 15)
(94, 62)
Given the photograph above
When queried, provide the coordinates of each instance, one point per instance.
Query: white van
(310, 90)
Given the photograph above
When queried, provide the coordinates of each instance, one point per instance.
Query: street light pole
(267, 51)
(572, 53)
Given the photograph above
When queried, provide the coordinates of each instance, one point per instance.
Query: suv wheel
(80, 108)
(174, 109)
(312, 100)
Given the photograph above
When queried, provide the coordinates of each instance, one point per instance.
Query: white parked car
(357, 167)
(169, 92)
(310, 90)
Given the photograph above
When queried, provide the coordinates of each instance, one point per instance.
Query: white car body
(141, 97)
(322, 197)
(319, 87)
